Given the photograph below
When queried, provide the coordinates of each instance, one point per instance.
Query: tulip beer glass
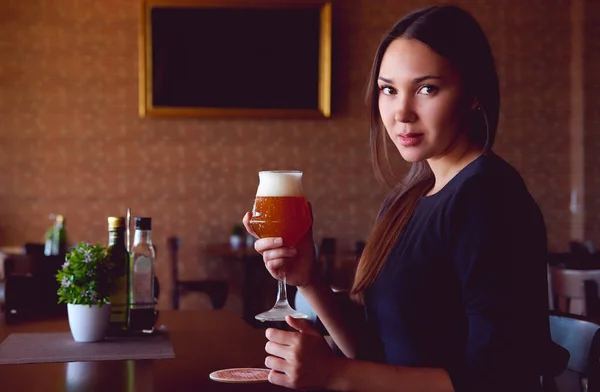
(280, 210)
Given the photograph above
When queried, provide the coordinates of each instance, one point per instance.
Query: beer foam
(280, 183)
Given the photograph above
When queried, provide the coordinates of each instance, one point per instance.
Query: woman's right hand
(297, 263)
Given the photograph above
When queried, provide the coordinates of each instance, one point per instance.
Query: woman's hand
(301, 360)
(295, 263)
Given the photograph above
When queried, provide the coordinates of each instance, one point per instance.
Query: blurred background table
(259, 289)
(203, 341)
(5, 252)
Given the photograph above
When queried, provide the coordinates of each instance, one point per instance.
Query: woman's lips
(410, 139)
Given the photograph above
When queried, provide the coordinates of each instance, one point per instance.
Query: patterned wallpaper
(71, 141)
(591, 85)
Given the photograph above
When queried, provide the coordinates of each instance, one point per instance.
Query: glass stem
(282, 293)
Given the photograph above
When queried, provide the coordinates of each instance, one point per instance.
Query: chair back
(576, 290)
(20, 265)
(582, 256)
(34, 249)
(359, 247)
(581, 338)
(579, 249)
(173, 246)
(327, 257)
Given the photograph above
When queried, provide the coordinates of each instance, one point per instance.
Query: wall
(591, 87)
(71, 141)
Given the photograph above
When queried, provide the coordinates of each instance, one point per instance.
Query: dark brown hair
(454, 34)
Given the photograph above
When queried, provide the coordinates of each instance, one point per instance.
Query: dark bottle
(119, 258)
(141, 278)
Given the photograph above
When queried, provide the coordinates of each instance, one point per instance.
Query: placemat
(20, 348)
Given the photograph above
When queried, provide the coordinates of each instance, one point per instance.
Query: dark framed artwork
(249, 58)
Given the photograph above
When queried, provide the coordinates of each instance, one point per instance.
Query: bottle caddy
(133, 304)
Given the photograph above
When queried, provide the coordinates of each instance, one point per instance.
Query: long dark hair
(454, 34)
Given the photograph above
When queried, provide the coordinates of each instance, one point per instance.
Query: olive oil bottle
(119, 258)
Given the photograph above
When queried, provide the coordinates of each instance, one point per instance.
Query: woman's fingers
(279, 336)
(274, 255)
(277, 264)
(279, 350)
(279, 253)
(246, 222)
(267, 243)
(278, 378)
(271, 249)
(277, 364)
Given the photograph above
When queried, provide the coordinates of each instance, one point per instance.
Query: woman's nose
(404, 113)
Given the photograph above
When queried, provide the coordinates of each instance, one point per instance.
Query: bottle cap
(143, 223)
(116, 222)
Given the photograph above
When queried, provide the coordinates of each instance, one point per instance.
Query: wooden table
(203, 341)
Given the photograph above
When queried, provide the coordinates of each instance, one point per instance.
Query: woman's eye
(387, 90)
(428, 90)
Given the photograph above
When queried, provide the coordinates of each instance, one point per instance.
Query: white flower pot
(88, 323)
(235, 241)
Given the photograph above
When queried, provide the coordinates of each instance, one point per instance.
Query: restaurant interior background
(71, 140)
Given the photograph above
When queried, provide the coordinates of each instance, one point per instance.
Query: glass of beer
(280, 210)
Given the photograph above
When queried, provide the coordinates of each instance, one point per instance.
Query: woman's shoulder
(491, 176)
(491, 183)
(491, 167)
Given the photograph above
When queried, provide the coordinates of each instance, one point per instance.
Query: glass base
(279, 312)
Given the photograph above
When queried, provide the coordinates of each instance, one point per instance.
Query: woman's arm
(304, 361)
(497, 244)
(358, 376)
(345, 327)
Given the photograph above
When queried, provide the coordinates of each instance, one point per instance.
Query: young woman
(453, 277)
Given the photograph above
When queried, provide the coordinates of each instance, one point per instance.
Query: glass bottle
(56, 238)
(141, 313)
(119, 258)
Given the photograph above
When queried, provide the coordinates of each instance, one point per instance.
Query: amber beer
(281, 216)
(280, 208)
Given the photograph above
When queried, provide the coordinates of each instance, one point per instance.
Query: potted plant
(87, 279)
(235, 240)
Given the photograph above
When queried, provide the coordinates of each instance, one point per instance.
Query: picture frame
(235, 58)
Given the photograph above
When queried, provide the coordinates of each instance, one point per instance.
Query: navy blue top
(465, 287)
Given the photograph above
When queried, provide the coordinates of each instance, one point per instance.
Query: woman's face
(421, 101)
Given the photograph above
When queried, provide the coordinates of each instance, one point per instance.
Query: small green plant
(87, 277)
(237, 230)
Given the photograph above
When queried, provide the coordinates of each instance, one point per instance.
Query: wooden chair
(581, 338)
(215, 289)
(576, 291)
(326, 257)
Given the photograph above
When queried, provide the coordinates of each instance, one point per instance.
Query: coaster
(241, 375)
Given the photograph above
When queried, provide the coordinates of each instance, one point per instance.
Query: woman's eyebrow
(424, 78)
(418, 80)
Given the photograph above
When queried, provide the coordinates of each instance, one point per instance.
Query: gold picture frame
(148, 106)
